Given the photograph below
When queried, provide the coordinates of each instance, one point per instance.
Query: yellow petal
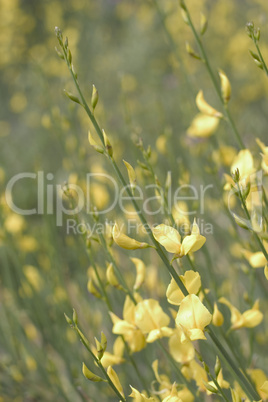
(139, 397)
(126, 242)
(192, 243)
(140, 272)
(204, 107)
(149, 316)
(115, 380)
(168, 237)
(192, 282)
(244, 162)
(252, 318)
(217, 318)
(182, 352)
(108, 359)
(131, 174)
(193, 315)
(158, 334)
(235, 313)
(264, 388)
(266, 272)
(203, 126)
(225, 86)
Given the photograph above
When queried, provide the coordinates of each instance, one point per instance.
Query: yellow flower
(225, 86)
(173, 396)
(182, 352)
(127, 327)
(138, 396)
(114, 378)
(256, 260)
(204, 107)
(249, 319)
(140, 272)
(165, 387)
(126, 242)
(170, 238)
(151, 320)
(110, 359)
(193, 317)
(191, 281)
(203, 126)
(193, 370)
(217, 318)
(244, 162)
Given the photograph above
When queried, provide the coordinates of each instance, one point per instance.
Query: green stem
(250, 391)
(159, 248)
(214, 81)
(258, 240)
(97, 361)
(260, 56)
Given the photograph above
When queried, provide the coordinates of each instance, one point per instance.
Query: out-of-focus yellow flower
(264, 388)
(204, 107)
(180, 215)
(151, 320)
(203, 126)
(193, 317)
(245, 164)
(14, 223)
(110, 359)
(170, 238)
(256, 260)
(173, 396)
(261, 381)
(182, 352)
(191, 281)
(140, 272)
(165, 386)
(264, 155)
(194, 371)
(33, 277)
(126, 242)
(217, 317)
(225, 86)
(138, 396)
(224, 155)
(127, 327)
(249, 319)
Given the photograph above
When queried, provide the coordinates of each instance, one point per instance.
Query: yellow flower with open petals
(191, 281)
(193, 317)
(151, 320)
(182, 352)
(249, 319)
(127, 327)
(170, 238)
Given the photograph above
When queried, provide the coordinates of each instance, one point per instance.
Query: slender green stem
(213, 79)
(250, 391)
(260, 55)
(159, 248)
(258, 240)
(97, 361)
